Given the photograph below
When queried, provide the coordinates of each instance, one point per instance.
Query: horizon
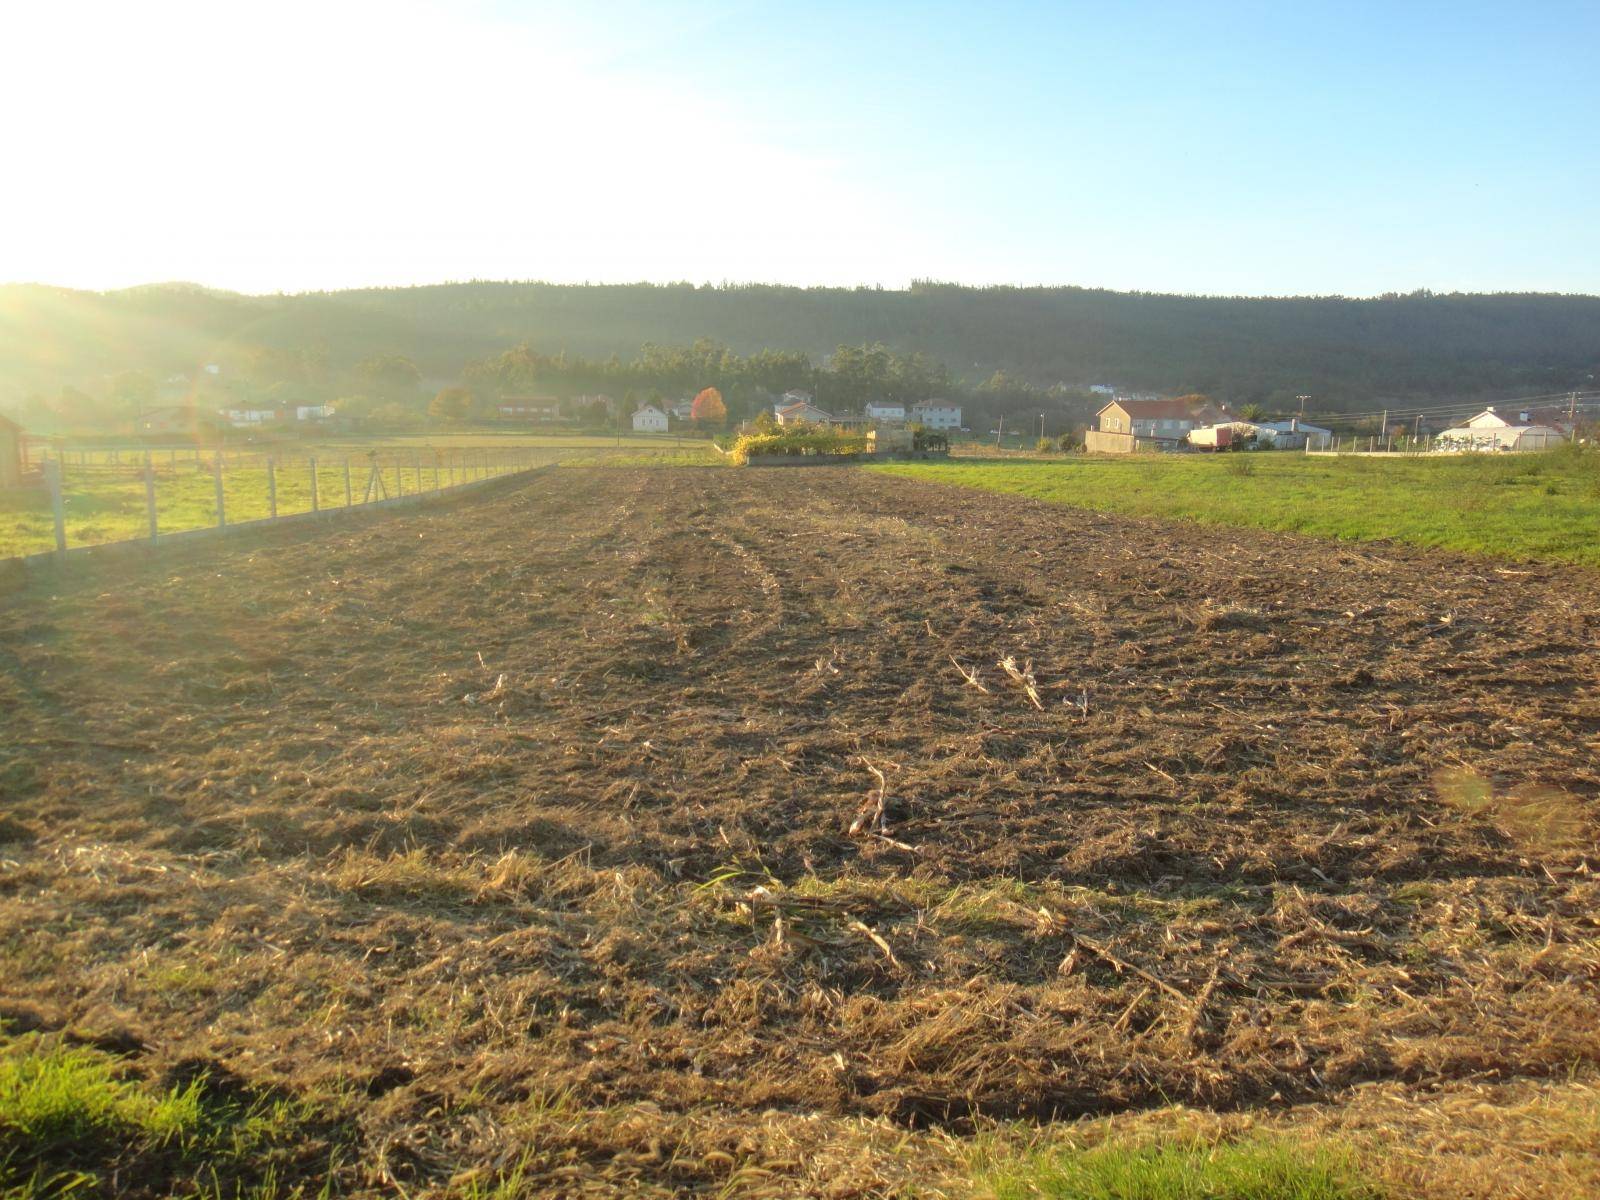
(908, 288)
(1226, 150)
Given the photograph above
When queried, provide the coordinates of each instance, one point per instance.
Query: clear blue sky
(1218, 148)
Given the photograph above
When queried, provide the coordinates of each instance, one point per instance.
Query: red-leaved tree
(708, 408)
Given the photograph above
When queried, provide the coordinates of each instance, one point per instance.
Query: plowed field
(681, 829)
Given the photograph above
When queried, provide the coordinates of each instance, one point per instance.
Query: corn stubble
(660, 831)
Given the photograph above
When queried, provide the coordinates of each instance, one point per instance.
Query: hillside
(1344, 352)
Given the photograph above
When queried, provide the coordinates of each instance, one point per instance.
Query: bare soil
(644, 827)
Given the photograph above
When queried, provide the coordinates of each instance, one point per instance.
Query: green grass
(1525, 506)
(71, 1120)
(1252, 1170)
(104, 500)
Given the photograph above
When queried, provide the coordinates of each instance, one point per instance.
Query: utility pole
(1041, 425)
(1001, 431)
(1302, 400)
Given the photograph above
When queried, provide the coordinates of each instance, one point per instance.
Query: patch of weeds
(73, 1119)
(412, 875)
(185, 980)
(1539, 819)
(1249, 1170)
(505, 1186)
(1417, 892)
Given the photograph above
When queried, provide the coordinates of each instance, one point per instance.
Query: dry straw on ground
(1323, 839)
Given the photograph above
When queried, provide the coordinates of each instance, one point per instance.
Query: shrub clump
(798, 439)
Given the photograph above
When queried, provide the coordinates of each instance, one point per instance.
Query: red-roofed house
(1127, 425)
(803, 413)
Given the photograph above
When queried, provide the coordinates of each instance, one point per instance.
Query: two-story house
(936, 414)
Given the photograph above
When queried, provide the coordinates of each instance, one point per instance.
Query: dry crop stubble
(516, 835)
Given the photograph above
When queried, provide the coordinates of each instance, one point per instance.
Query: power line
(1585, 400)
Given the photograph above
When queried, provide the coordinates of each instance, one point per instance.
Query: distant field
(1530, 507)
(105, 500)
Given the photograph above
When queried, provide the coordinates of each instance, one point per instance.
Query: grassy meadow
(104, 495)
(1524, 506)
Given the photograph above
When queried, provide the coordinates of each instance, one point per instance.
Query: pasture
(808, 832)
(1521, 506)
(104, 490)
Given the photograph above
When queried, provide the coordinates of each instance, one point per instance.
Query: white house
(534, 408)
(1491, 431)
(936, 414)
(882, 410)
(243, 418)
(1293, 434)
(804, 411)
(313, 412)
(649, 419)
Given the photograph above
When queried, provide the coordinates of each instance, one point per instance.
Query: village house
(649, 419)
(1491, 431)
(803, 412)
(936, 414)
(249, 418)
(1127, 425)
(883, 410)
(529, 408)
(1293, 434)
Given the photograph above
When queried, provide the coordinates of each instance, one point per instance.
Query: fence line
(247, 484)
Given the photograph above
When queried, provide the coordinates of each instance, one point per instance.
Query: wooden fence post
(316, 500)
(272, 490)
(416, 470)
(52, 479)
(150, 495)
(399, 481)
(348, 499)
(216, 479)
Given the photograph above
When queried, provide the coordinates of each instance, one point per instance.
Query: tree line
(92, 355)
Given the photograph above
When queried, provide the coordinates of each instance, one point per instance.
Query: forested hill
(1345, 352)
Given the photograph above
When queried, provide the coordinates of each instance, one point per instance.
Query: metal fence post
(316, 500)
(436, 472)
(150, 495)
(416, 469)
(272, 490)
(52, 479)
(216, 479)
(348, 499)
(399, 481)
